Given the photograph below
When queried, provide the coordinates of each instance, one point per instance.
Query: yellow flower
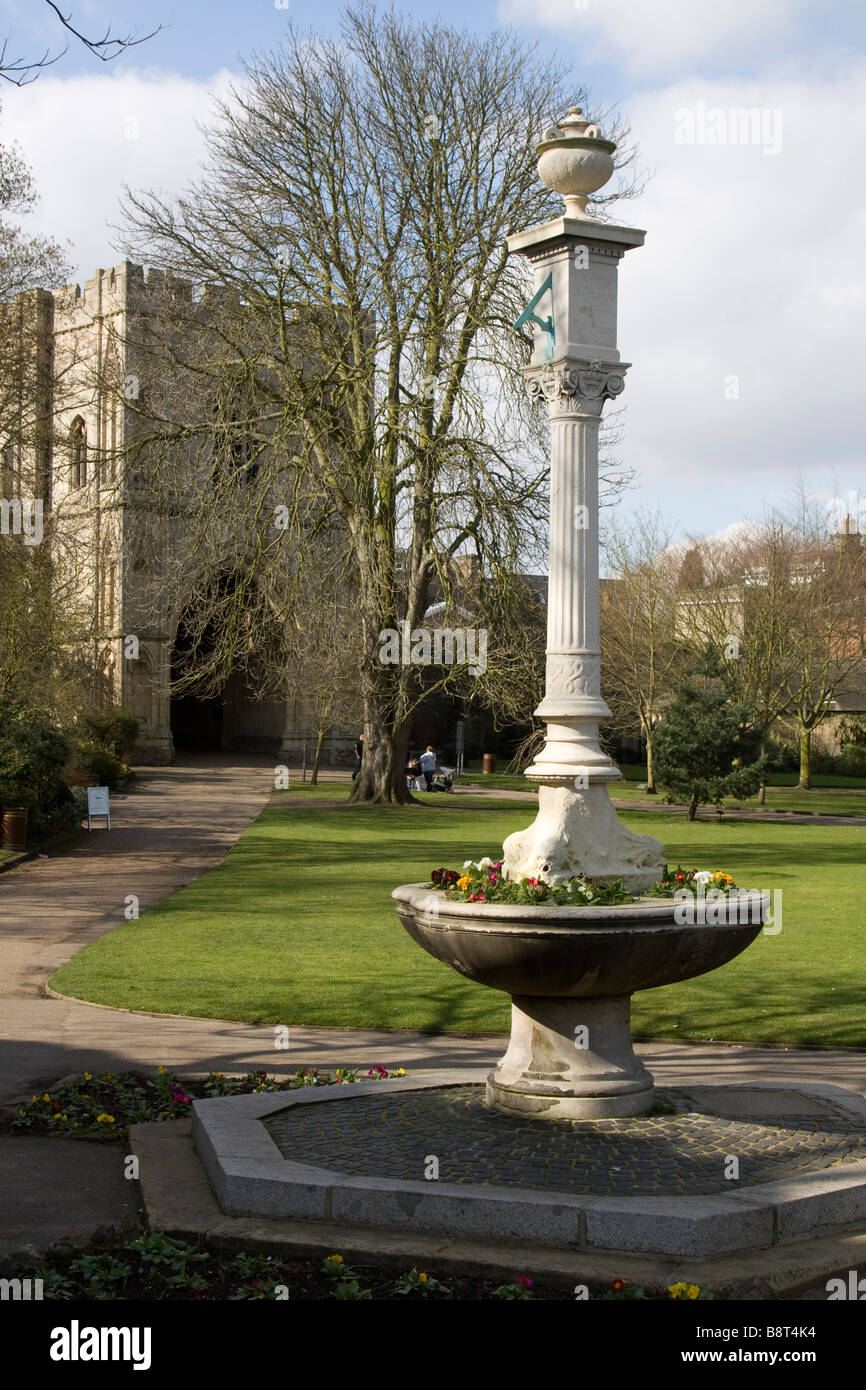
(46, 1096)
(401, 1071)
(105, 1119)
(87, 1076)
(162, 1070)
(335, 1259)
(218, 1076)
(463, 883)
(422, 1278)
(693, 1290)
(677, 1290)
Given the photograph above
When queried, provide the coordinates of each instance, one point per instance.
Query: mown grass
(297, 926)
(830, 796)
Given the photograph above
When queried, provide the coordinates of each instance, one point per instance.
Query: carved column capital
(578, 389)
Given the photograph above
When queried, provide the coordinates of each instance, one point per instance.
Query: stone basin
(571, 972)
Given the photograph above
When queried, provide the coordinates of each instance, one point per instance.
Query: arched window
(78, 452)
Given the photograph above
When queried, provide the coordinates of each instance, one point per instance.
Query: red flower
(618, 1285)
(522, 1279)
(680, 878)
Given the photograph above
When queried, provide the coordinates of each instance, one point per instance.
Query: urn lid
(573, 126)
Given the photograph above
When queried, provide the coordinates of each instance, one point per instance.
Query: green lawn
(830, 795)
(296, 926)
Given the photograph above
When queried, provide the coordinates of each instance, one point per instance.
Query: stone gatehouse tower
(119, 546)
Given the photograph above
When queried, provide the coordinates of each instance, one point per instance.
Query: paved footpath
(172, 825)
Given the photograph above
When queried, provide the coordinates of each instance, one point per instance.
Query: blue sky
(744, 315)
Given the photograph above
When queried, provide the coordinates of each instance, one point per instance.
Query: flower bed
(161, 1267)
(105, 1105)
(484, 882)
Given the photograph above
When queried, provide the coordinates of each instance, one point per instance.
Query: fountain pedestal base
(570, 1059)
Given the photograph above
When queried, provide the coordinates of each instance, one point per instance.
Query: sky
(744, 316)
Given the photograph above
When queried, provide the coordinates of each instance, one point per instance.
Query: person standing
(428, 766)
(359, 754)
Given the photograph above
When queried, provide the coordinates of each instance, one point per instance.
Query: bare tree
(321, 667)
(642, 654)
(45, 616)
(828, 639)
(21, 71)
(783, 605)
(349, 241)
(746, 607)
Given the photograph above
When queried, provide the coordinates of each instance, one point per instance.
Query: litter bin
(488, 762)
(15, 828)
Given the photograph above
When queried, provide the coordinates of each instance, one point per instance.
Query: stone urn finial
(575, 160)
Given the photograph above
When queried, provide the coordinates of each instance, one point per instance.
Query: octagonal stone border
(250, 1177)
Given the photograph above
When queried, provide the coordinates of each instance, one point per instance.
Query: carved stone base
(570, 1059)
(578, 832)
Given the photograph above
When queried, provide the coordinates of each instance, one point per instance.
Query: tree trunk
(320, 739)
(693, 807)
(805, 759)
(383, 767)
(650, 779)
(762, 790)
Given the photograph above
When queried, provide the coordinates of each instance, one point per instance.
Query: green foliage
(706, 747)
(173, 1261)
(518, 1290)
(852, 730)
(851, 761)
(103, 1275)
(32, 755)
(418, 1281)
(782, 756)
(113, 729)
(95, 763)
(621, 1291)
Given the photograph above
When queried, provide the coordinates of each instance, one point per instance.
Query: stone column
(575, 369)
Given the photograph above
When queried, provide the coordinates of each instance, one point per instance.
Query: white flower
(467, 864)
(589, 897)
(703, 877)
(483, 863)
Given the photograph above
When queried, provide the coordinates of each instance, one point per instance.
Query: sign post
(97, 805)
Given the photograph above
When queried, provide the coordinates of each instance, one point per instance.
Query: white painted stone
(574, 372)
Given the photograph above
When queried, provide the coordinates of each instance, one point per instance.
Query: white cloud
(84, 137)
(743, 314)
(661, 35)
(753, 268)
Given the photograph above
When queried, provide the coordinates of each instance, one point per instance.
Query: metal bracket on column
(546, 325)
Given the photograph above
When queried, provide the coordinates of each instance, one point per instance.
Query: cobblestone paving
(659, 1154)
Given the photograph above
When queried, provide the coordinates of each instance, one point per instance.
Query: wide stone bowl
(571, 972)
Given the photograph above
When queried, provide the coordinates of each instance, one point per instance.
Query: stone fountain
(571, 971)
(352, 1162)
